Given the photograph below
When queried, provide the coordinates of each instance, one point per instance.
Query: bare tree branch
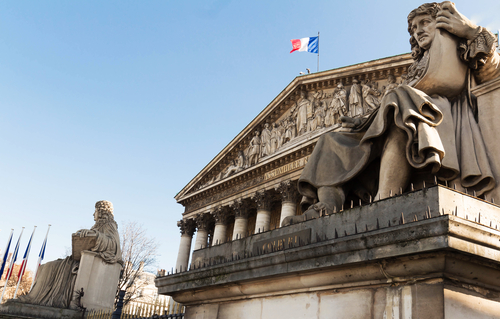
(138, 252)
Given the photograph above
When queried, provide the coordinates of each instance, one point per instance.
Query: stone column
(220, 231)
(288, 191)
(187, 227)
(240, 218)
(263, 220)
(202, 224)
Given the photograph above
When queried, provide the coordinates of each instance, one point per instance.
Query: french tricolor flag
(310, 44)
(25, 258)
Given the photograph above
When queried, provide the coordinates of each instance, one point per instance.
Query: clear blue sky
(128, 100)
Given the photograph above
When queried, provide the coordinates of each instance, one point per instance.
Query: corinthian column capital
(221, 215)
(240, 208)
(187, 226)
(203, 221)
(288, 191)
(262, 199)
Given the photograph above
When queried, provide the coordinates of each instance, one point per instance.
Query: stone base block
(99, 281)
(13, 309)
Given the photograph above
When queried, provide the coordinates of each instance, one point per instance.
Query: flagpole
(318, 51)
(24, 263)
(40, 257)
(11, 266)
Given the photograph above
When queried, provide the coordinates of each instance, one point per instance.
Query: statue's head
(391, 78)
(340, 85)
(103, 210)
(422, 28)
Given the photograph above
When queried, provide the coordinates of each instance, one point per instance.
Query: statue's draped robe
(55, 281)
(443, 135)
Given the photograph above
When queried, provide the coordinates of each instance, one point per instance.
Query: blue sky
(128, 100)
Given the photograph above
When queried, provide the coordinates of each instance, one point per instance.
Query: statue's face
(96, 214)
(423, 29)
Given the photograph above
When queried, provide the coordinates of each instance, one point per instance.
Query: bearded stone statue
(55, 283)
(425, 129)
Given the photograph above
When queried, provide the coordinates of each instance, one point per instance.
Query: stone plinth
(99, 281)
(488, 100)
(13, 309)
(433, 253)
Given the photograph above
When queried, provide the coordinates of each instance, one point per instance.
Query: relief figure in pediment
(275, 138)
(290, 132)
(355, 99)
(392, 84)
(370, 97)
(410, 137)
(339, 102)
(281, 133)
(265, 141)
(303, 112)
(254, 150)
(329, 116)
(319, 115)
(236, 165)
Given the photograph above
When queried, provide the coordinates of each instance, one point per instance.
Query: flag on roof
(310, 44)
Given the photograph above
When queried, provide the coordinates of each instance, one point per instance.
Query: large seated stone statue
(425, 128)
(94, 266)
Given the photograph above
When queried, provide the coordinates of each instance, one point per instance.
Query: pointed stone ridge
(228, 166)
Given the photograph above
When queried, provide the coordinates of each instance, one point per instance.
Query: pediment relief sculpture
(311, 111)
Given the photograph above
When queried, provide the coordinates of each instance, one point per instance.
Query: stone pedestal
(488, 100)
(432, 253)
(99, 281)
(12, 309)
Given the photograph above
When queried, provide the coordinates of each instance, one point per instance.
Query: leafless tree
(139, 251)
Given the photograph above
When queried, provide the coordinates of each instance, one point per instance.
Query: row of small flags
(24, 262)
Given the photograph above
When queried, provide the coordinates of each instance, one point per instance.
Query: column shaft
(201, 239)
(183, 255)
(240, 227)
(219, 234)
(263, 220)
(287, 209)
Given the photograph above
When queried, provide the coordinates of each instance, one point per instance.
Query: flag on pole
(305, 44)
(11, 266)
(14, 258)
(25, 257)
(23, 264)
(40, 256)
(6, 253)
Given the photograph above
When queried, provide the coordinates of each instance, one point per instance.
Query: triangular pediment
(302, 111)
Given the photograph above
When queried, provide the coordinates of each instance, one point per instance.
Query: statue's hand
(455, 23)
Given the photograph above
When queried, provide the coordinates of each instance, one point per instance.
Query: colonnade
(204, 222)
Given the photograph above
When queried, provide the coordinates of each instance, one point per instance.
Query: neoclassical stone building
(426, 247)
(250, 186)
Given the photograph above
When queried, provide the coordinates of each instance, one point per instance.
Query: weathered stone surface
(98, 280)
(396, 270)
(13, 309)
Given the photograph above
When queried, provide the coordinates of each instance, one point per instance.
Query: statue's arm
(478, 45)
